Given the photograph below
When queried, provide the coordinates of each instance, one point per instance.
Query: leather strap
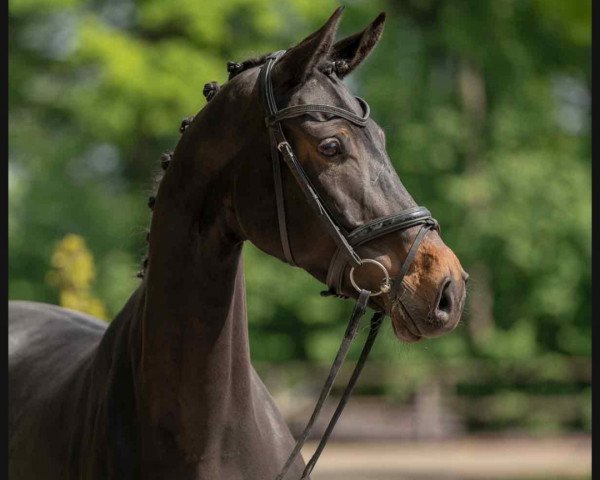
(270, 106)
(382, 226)
(297, 110)
(358, 312)
(350, 334)
(280, 201)
(412, 252)
(266, 90)
(376, 322)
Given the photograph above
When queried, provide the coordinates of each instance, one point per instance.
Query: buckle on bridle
(284, 145)
(385, 285)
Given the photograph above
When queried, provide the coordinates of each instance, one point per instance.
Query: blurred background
(486, 106)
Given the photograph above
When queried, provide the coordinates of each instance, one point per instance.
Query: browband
(297, 110)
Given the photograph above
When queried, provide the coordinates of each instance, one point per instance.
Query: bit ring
(385, 286)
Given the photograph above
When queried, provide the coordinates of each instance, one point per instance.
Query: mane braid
(165, 160)
(235, 68)
(339, 67)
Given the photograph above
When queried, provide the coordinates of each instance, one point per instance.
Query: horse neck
(195, 374)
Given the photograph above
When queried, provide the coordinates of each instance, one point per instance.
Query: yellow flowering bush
(73, 273)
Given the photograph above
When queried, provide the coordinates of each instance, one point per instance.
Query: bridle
(346, 242)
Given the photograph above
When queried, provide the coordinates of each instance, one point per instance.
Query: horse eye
(330, 147)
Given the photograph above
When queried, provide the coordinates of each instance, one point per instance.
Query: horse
(168, 390)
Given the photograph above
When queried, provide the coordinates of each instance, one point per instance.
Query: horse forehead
(326, 90)
(323, 89)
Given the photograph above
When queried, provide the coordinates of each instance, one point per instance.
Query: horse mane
(328, 67)
(211, 89)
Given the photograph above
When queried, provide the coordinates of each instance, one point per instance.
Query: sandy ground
(469, 459)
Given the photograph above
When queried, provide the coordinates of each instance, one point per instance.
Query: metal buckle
(284, 145)
(385, 285)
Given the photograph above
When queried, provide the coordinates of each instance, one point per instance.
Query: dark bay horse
(168, 391)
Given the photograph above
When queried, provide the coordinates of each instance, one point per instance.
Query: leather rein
(346, 241)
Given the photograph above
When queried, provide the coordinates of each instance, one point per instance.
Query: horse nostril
(445, 302)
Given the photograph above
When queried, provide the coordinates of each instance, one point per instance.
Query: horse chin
(404, 327)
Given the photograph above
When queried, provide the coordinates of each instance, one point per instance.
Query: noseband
(346, 241)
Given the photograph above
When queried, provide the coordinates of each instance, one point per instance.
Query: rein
(346, 243)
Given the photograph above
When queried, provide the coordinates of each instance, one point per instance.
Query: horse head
(348, 166)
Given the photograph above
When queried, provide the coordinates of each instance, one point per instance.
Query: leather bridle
(346, 241)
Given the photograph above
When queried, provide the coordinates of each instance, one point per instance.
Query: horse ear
(354, 49)
(297, 63)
